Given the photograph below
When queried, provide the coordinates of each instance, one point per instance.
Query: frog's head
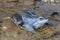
(40, 22)
(43, 20)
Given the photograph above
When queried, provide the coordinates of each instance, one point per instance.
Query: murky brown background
(9, 31)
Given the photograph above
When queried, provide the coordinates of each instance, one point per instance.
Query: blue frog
(28, 20)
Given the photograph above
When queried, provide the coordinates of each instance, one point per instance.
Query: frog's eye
(41, 18)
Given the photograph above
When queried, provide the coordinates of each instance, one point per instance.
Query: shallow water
(9, 31)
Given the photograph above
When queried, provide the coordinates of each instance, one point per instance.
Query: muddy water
(11, 32)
